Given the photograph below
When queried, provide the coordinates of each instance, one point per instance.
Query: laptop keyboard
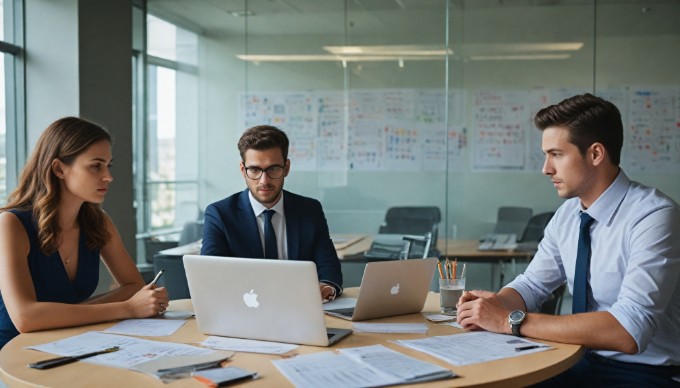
(346, 312)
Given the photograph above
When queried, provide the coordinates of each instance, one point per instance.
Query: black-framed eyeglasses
(273, 172)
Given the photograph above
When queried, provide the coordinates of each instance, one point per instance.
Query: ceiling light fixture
(391, 50)
(330, 58)
(518, 57)
(241, 14)
(401, 53)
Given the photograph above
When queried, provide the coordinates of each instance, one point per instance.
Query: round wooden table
(511, 372)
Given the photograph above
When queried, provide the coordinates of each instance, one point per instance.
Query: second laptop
(390, 288)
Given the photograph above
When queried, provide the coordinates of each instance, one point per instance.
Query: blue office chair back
(414, 220)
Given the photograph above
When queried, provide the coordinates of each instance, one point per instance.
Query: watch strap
(515, 329)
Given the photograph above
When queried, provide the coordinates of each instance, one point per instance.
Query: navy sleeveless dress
(50, 279)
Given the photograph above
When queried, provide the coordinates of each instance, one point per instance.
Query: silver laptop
(271, 300)
(390, 288)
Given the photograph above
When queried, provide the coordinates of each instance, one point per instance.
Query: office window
(170, 162)
(172, 156)
(3, 134)
(12, 137)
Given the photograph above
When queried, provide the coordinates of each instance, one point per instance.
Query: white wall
(51, 64)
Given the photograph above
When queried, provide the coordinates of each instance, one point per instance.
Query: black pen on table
(530, 347)
(51, 363)
(158, 276)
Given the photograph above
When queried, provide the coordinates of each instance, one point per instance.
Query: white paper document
(189, 249)
(244, 345)
(340, 303)
(452, 324)
(362, 327)
(434, 317)
(368, 366)
(470, 348)
(149, 327)
(176, 314)
(132, 351)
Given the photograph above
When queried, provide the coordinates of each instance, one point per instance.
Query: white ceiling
(222, 18)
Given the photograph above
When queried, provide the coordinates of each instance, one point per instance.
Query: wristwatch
(515, 319)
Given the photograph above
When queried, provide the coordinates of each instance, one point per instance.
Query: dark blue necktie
(582, 265)
(270, 249)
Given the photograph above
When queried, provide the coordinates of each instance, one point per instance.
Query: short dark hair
(589, 120)
(263, 137)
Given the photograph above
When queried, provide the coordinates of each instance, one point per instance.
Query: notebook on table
(270, 300)
(390, 288)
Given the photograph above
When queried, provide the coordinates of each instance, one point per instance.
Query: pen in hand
(158, 276)
(53, 362)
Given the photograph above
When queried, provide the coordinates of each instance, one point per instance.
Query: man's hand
(483, 310)
(327, 292)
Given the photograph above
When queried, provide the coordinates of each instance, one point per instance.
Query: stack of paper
(368, 366)
(163, 360)
(470, 348)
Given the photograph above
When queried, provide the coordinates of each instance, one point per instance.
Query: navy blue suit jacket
(230, 229)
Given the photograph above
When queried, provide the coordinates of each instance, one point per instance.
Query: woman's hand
(148, 302)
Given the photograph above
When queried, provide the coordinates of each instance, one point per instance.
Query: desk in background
(463, 250)
(350, 248)
(175, 277)
(511, 372)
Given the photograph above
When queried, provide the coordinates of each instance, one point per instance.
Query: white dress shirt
(634, 266)
(278, 222)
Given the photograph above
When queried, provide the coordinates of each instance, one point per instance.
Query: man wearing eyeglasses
(265, 221)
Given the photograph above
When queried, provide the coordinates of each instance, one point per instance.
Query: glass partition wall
(427, 103)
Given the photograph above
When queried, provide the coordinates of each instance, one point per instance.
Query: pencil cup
(450, 290)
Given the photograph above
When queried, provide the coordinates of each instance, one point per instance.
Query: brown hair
(263, 137)
(39, 188)
(589, 120)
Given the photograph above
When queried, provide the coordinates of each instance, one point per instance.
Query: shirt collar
(604, 207)
(258, 208)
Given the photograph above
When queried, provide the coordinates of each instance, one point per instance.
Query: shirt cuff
(337, 288)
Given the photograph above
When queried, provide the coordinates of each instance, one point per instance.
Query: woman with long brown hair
(53, 232)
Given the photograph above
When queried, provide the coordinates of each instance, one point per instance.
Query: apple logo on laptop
(250, 299)
(395, 289)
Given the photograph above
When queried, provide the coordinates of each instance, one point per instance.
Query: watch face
(516, 315)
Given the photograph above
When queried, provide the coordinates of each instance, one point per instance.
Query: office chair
(417, 246)
(153, 245)
(174, 278)
(535, 227)
(191, 232)
(512, 220)
(412, 220)
(400, 247)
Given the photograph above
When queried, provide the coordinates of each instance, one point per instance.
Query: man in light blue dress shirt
(631, 325)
